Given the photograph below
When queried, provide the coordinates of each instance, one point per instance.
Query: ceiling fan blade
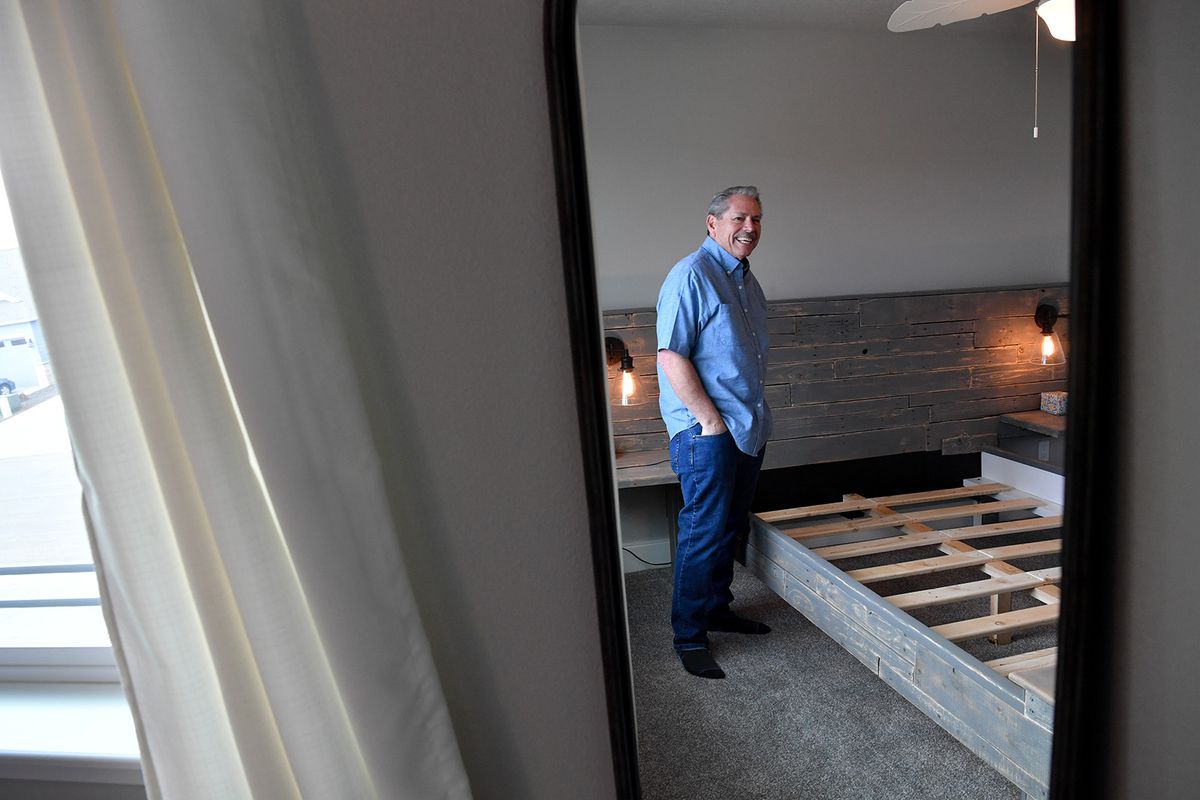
(916, 14)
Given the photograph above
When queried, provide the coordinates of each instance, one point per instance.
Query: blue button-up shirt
(713, 312)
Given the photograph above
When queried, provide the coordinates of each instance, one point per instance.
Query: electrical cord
(644, 561)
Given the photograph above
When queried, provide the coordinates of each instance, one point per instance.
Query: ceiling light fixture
(1059, 16)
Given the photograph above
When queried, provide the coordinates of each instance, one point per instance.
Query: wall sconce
(617, 352)
(1051, 350)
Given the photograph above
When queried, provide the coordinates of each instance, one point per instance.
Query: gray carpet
(798, 717)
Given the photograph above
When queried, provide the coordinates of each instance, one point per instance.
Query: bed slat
(996, 623)
(966, 591)
(898, 518)
(807, 512)
(925, 566)
(893, 543)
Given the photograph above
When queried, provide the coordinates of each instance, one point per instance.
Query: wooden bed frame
(1002, 709)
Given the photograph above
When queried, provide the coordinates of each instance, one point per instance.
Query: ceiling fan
(1059, 15)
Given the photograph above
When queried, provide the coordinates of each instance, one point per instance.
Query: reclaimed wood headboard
(875, 375)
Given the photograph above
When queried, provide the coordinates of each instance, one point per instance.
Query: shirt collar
(721, 255)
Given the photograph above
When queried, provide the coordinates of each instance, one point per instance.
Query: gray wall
(1157, 721)
(438, 132)
(887, 162)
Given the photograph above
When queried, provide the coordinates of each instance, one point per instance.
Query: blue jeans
(718, 483)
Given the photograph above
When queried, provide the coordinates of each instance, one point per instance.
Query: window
(65, 715)
(51, 623)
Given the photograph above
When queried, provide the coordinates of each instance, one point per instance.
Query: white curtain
(165, 163)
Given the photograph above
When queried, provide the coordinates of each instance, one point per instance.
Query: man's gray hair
(720, 203)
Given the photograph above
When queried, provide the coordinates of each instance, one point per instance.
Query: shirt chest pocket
(727, 327)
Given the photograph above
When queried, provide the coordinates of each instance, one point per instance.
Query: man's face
(738, 229)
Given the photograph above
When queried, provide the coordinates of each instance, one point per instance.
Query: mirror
(890, 165)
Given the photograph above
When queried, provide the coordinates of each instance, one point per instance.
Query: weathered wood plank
(808, 308)
(945, 307)
(974, 409)
(903, 518)
(848, 333)
(966, 443)
(860, 643)
(984, 392)
(1021, 331)
(650, 475)
(1019, 373)
(961, 435)
(842, 447)
(641, 441)
(1007, 331)
(800, 372)
(938, 495)
(855, 503)
(1039, 680)
(778, 339)
(1034, 786)
(870, 405)
(892, 544)
(1034, 658)
(1050, 595)
(990, 715)
(937, 328)
(782, 326)
(964, 591)
(891, 628)
(1039, 710)
(1007, 552)
(1009, 622)
(928, 566)
(826, 324)
(779, 395)
(636, 426)
(923, 362)
(647, 409)
(881, 386)
(884, 347)
(642, 458)
(634, 318)
(1038, 421)
(849, 423)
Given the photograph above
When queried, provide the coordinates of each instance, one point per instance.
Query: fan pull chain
(1036, 57)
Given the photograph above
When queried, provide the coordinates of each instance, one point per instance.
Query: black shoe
(700, 662)
(736, 624)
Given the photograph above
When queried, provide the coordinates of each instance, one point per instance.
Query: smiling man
(712, 361)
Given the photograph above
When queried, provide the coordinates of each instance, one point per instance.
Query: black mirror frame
(1083, 688)
(587, 348)
(1083, 709)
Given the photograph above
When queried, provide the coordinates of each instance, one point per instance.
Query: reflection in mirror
(904, 543)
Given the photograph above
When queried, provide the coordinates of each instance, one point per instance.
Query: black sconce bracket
(1045, 316)
(617, 353)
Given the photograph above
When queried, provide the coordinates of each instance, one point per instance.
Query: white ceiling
(846, 14)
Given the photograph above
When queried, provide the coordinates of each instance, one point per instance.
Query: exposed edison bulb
(628, 388)
(1052, 351)
(1059, 16)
